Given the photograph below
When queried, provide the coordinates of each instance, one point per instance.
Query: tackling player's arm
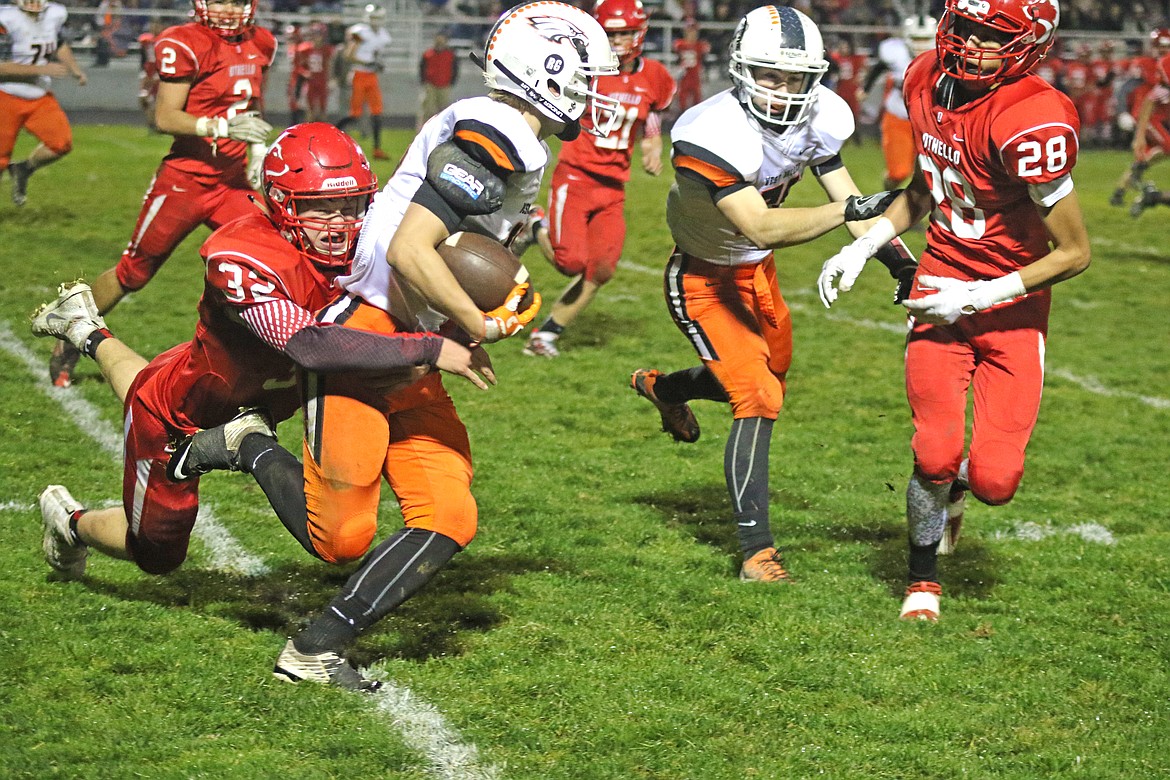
(744, 206)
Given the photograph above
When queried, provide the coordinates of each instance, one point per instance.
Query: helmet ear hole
(553, 88)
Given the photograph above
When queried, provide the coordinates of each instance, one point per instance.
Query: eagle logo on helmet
(561, 31)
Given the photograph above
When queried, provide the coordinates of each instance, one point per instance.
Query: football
(486, 269)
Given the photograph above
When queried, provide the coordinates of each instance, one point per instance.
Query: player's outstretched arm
(775, 228)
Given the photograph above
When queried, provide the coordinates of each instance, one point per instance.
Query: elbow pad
(467, 186)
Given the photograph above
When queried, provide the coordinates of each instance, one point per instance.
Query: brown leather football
(486, 269)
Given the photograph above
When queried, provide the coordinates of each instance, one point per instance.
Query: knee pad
(347, 540)
(62, 149)
(764, 401)
(601, 273)
(457, 519)
(157, 559)
(995, 488)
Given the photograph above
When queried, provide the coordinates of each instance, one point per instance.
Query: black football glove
(859, 208)
(896, 257)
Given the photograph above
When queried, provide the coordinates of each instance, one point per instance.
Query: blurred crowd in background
(1103, 73)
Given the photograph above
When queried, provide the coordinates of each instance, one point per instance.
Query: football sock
(552, 326)
(282, 478)
(923, 563)
(343, 123)
(74, 534)
(390, 574)
(688, 385)
(745, 466)
(376, 121)
(926, 510)
(89, 347)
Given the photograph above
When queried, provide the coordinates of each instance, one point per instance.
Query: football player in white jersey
(476, 165)
(365, 44)
(736, 155)
(32, 54)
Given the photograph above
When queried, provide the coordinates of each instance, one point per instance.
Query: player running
(996, 147)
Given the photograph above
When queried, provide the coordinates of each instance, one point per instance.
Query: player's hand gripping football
(504, 321)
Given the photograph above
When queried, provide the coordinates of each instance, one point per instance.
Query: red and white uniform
(201, 181)
(587, 195)
(850, 79)
(690, 71)
(148, 73)
(721, 289)
(991, 164)
(1158, 93)
(318, 64)
(298, 74)
(30, 104)
(204, 382)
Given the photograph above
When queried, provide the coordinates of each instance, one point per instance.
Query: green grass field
(595, 629)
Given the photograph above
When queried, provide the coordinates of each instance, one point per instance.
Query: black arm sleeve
(326, 348)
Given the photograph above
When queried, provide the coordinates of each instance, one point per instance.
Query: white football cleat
(72, 317)
(540, 345)
(66, 557)
(921, 602)
(325, 668)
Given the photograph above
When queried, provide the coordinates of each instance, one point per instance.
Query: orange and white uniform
(721, 289)
(356, 434)
(32, 40)
(897, 144)
(370, 43)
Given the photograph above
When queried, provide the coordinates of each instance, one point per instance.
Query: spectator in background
(438, 69)
(690, 51)
(365, 44)
(33, 53)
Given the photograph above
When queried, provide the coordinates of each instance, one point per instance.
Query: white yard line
(421, 726)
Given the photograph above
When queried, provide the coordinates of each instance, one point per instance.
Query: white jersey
(33, 38)
(718, 145)
(895, 54)
(504, 134)
(370, 45)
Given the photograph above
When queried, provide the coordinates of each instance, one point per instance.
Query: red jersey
(438, 67)
(983, 162)
(691, 54)
(299, 64)
(226, 78)
(318, 61)
(850, 71)
(1078, 78)
(146, 54)
(226, 366)
(648, 89)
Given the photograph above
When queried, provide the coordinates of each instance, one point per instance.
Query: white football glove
(256, 153)
(842, 269)
(247, 127)
(955, 297)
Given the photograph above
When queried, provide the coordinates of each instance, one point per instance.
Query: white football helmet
(777, 37)
(918, 32)
(550, 54)
(33, 7)
(374, 15)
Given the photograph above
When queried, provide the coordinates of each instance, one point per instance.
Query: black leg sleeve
(690, 384)
(282, 478)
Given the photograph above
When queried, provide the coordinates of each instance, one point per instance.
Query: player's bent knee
(61, 149)
(995, 489)
(157, 559)
(347, 541)
(456, 519)
(601, 274)
(764, 401)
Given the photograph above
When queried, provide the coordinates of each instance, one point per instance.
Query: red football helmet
(1025, 30)
(1160, 40)
(315, 162)
(230, 17)
(623, 16)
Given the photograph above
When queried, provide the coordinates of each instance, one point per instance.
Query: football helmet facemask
(1025, 30)
(777, 38)
(34, 7)
(550, 55)
(310, 163)
(616, 16)
(228, 18)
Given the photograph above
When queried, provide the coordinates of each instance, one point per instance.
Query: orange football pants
(897, 147)
(41, 116)
(356, 434)
(365, 93)
(738, 322)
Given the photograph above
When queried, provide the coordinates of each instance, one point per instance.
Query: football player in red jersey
(148, 69)
(211, 74)
(267, 273)
(691, 51)
(318, 66)
(1151, 138)
(996, 148)
(587, 196)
